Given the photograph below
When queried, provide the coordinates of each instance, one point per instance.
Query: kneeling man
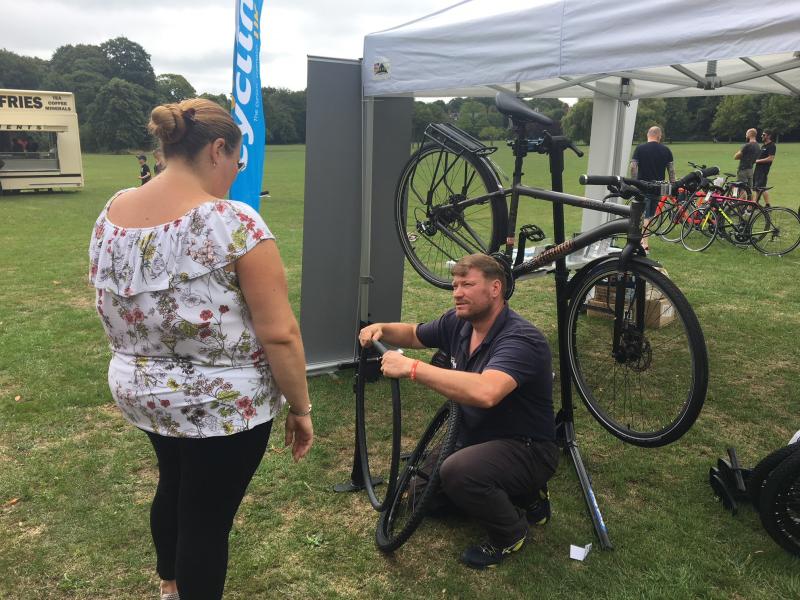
(502, 378)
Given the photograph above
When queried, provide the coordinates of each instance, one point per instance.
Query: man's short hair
(770, 133)
(141, 157)
(655, 131)
(752, 132)
(484, 263)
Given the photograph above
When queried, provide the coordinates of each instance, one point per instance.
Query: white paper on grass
(795, 437)
(579, 552)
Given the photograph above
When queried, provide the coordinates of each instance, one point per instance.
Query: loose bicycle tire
(433, 232)
(652, 390)
(361, 435)
(406, 509)
(779, 507)
(775, 231)
(760, 473)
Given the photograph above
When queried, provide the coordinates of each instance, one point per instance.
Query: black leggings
(201, 482)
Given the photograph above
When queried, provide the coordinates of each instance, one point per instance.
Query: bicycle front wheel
(699, 230)
(435, 231)
(419, 481)
(775, 231)
(642, 370)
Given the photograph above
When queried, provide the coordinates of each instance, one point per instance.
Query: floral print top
(185, 358)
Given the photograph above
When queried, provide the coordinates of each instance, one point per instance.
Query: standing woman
(205, 347)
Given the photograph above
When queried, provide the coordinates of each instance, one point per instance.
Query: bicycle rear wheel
(775, 231)
(648, 388)
(434, 232)
(671, 231)
(699, 232)
(419, 481)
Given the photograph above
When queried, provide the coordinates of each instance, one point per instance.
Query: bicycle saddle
(513, 107)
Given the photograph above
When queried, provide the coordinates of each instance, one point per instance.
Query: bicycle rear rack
(457, 140)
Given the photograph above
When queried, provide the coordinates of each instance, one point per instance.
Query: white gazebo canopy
(564, 48)
(615, 51)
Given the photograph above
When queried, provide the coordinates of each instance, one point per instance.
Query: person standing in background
(144, 169)
(746, 156)
(159, 165)
(764, 162)
(650, 162)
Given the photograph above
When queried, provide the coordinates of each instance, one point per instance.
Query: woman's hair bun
(168, 123)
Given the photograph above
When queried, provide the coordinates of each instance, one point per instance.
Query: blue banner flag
(248, 109)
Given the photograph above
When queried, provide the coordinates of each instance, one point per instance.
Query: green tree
(171, 87)
(80, 57)
(735, 115)
(677, 120)
(426, 113)
(652, 111)
(781, 114)
(553, 108)
(82, 69)
(577, 123)
(118, 116)
(285, 114)
(702, 110)
(21, 72)
(491, 134)
(220, 99)
(472, 117)
(130, 61)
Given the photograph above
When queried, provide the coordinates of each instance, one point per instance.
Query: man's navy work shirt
(516, 348)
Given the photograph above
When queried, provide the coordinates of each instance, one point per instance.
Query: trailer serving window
(39, 141)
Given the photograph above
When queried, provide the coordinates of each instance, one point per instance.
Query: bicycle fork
(620, 349)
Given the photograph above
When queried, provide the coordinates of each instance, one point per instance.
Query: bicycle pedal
(532, 233)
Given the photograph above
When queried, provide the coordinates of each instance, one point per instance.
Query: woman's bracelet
(300, 414)
(413, 374)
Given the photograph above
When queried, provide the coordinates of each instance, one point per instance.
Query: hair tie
(188, 115)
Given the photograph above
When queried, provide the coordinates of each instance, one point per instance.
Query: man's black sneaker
(487, 555)
(538, 512)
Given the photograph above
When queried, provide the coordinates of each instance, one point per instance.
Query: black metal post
(555, 148)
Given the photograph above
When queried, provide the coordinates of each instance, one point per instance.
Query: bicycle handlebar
(380, 347)
(619, 183)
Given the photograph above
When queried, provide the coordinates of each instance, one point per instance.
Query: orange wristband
(413, 374)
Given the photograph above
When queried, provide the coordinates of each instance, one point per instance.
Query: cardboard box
(658, 312)
(607, 289)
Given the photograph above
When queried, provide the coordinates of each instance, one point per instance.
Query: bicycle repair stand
(554, 147)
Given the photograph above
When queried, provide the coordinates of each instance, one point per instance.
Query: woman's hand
(299, 435)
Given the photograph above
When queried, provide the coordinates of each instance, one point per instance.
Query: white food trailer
(40, 145)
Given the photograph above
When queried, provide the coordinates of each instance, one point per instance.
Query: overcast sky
(195, 37)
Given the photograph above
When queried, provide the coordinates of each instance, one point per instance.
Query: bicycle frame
(630, 224)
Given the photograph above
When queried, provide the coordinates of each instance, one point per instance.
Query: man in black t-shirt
(747, 156)
(650, 162)
(501, 376)
(764, 162)
(144, 170)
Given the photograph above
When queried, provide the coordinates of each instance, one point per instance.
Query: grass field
(76, 480)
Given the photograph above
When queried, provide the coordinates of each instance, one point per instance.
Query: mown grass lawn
(76, 480)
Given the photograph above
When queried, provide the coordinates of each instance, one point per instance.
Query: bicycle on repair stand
(628, 337)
